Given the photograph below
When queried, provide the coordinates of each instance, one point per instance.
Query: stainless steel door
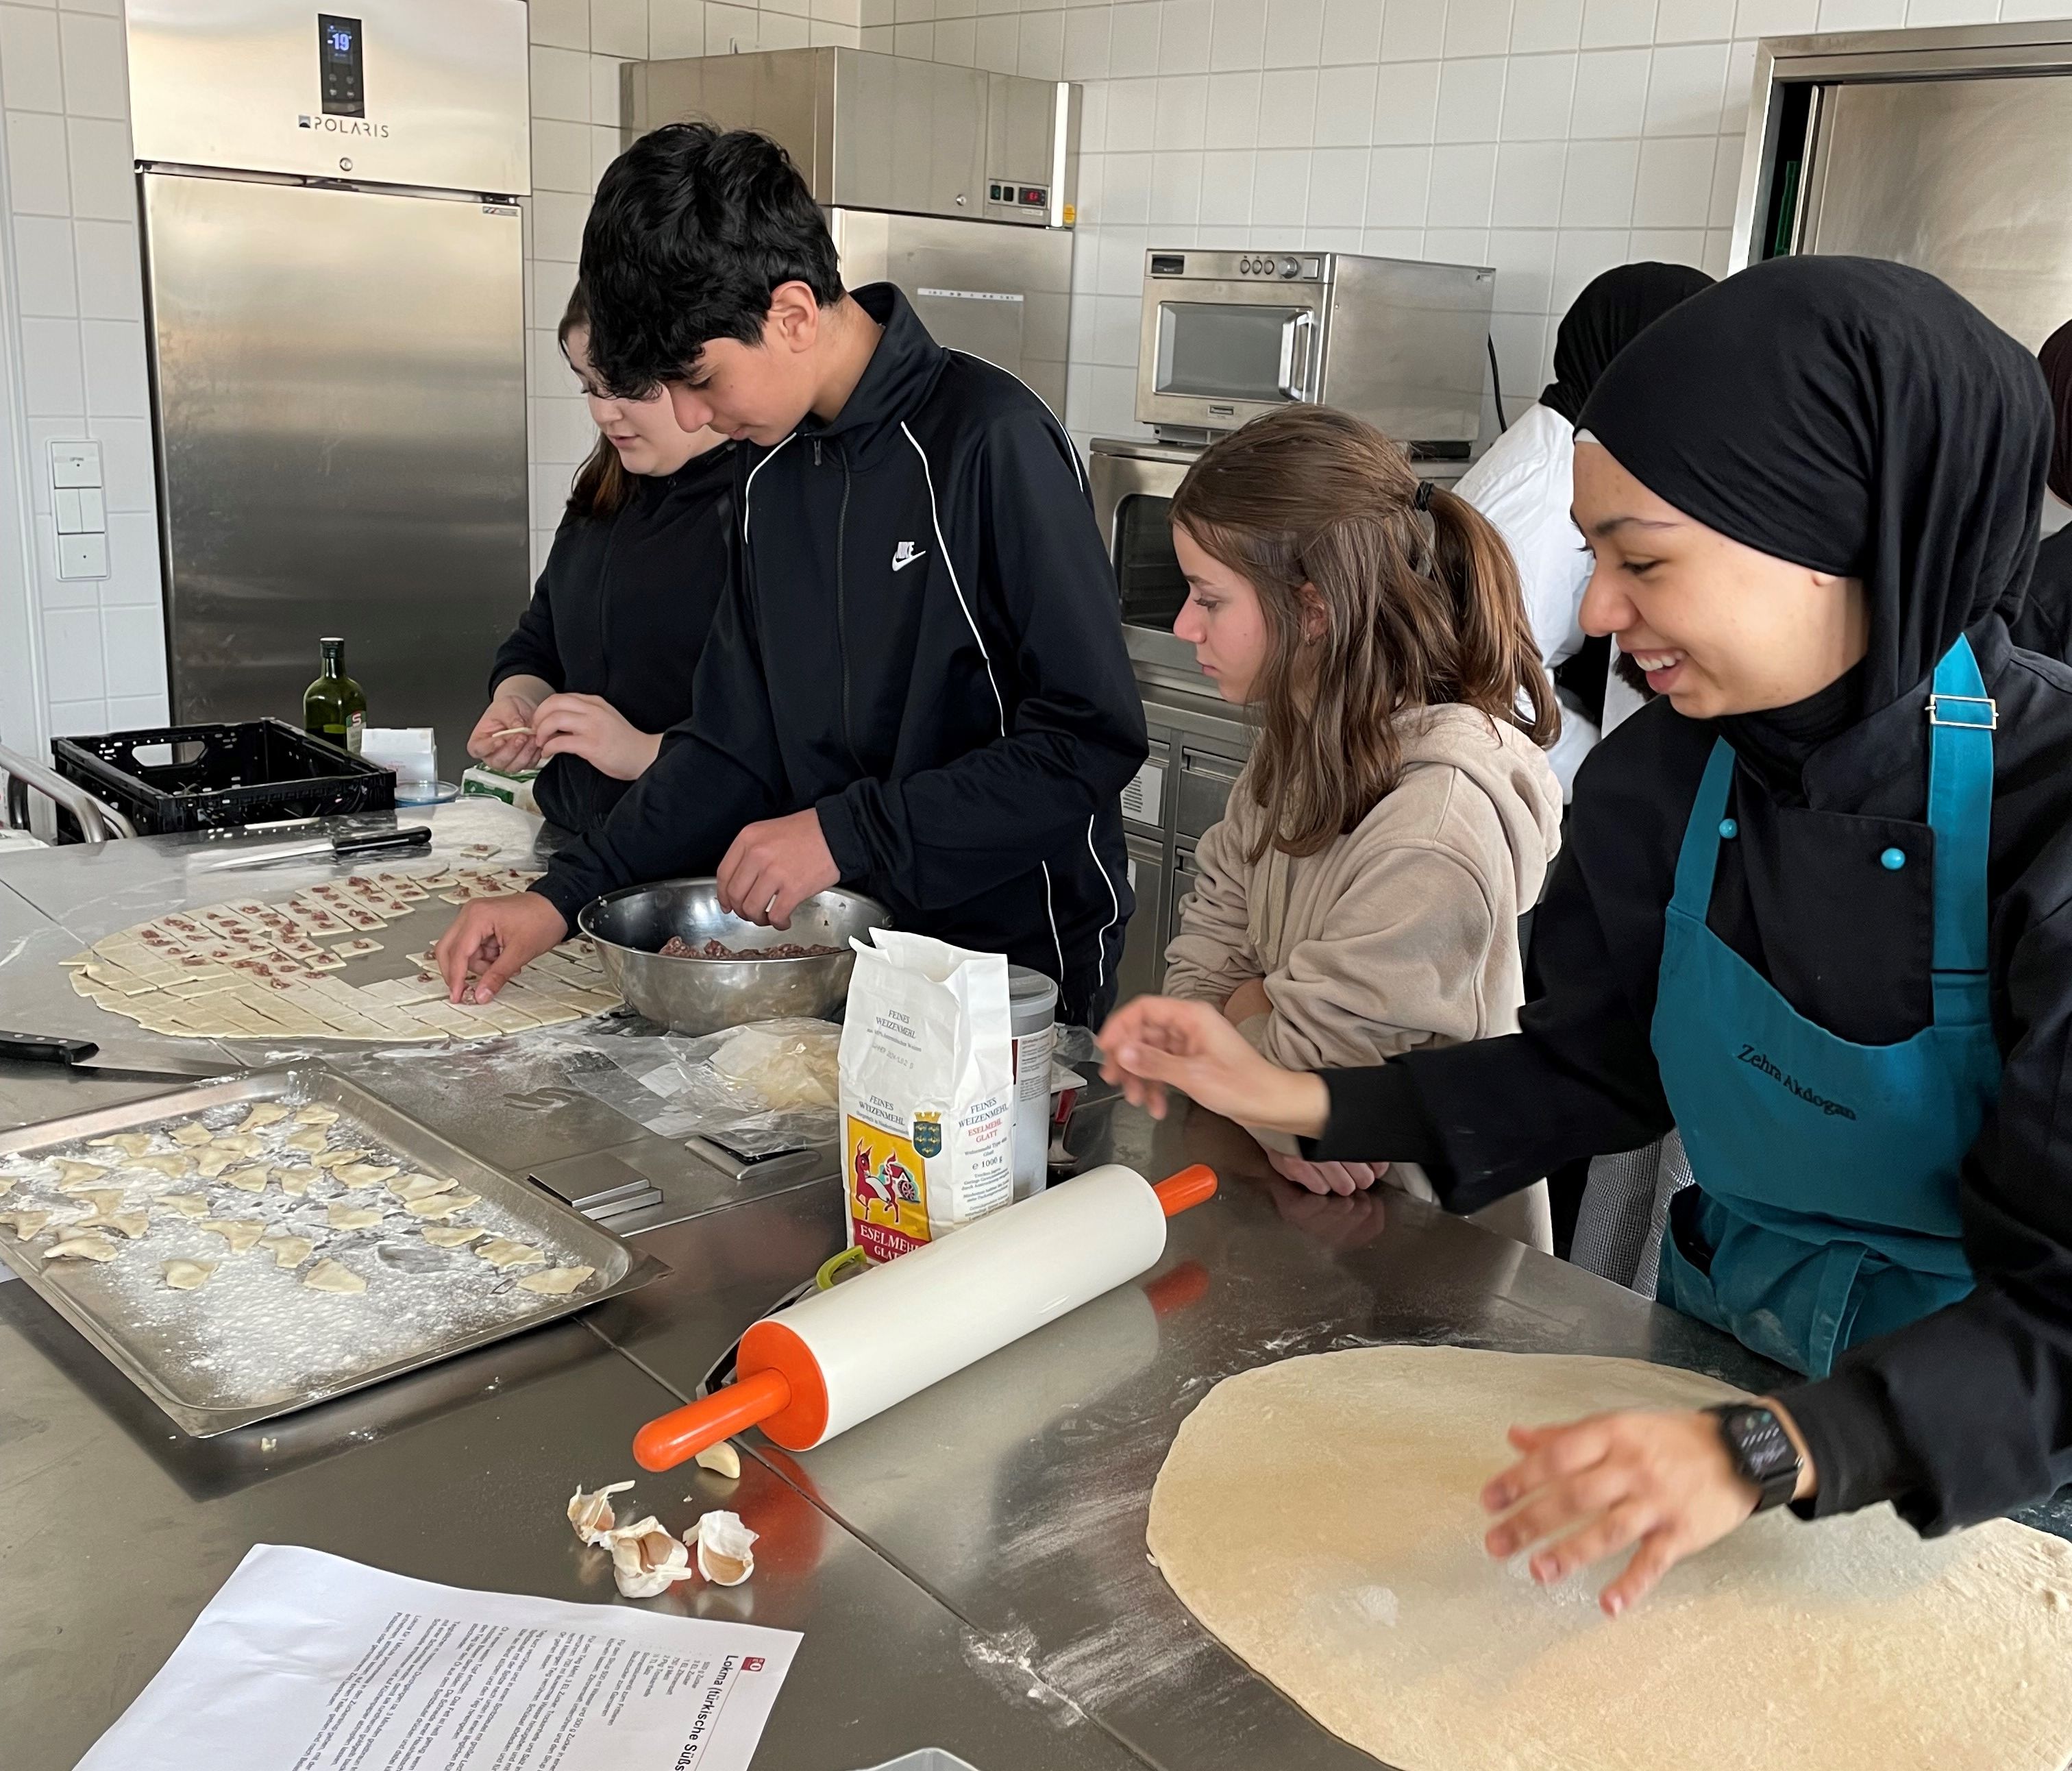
(1001, 292)
(1964, 178)
(340, 398)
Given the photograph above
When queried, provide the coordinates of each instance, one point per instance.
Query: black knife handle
(414, 836)
(46, 1048)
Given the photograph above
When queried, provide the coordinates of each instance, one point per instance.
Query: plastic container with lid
(1033, 1002)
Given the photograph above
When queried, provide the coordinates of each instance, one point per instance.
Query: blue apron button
(1728, 828)
(1893, 860)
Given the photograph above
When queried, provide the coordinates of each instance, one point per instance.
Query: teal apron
(1825, 1211)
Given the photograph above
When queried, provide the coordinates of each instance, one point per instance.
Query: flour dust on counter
(307, 965)
(1321, 1517)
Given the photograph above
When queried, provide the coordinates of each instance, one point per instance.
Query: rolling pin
(842, 1356)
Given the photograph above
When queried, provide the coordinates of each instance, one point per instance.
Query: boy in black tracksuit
(916, 684)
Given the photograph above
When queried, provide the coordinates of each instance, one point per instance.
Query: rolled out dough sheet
(1319, 1518)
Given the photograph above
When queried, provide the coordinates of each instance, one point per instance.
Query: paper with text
(305, 1661)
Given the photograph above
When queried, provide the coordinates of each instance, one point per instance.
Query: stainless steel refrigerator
(335, 283)
(1950, 150)
(958, 185)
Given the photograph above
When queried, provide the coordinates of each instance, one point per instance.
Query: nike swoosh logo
(902, 562)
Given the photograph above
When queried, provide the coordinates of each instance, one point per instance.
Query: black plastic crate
(173, 778)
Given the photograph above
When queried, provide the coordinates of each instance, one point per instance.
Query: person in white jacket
(1360, 897)
(1521, 484)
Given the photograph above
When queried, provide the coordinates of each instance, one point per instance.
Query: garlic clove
(591, 1514)
(721, 1460)
(726, 1549)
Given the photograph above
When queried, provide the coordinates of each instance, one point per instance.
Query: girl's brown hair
(603, 485)
(1420, 607)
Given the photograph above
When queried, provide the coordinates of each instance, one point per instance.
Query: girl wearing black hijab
(1522, 482)
(2045, 624)
(1816, 910)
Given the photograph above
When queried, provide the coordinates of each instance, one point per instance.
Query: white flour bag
(927, 1091)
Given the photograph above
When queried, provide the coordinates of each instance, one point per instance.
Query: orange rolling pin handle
(668, 1439)
(1190, 1187)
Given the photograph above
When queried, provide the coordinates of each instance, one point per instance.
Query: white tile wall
(73, 308)
(1550, 138)
(577, 49)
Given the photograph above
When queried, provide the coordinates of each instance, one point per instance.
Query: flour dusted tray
(255, 1340)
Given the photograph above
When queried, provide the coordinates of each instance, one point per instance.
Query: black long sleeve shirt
(622, 610)
(923, 646)
(1968, 1412)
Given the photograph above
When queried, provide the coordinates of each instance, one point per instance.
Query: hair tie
(1424, 499)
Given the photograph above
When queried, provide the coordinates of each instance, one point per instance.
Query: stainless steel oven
(1227, 336)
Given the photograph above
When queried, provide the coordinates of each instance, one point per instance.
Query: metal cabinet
(1206, 781)
(1185, 877)
(1143, 966)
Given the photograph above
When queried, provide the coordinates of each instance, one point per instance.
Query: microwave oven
(1227, 336)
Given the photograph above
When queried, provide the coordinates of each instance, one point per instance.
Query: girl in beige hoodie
(1361, 896)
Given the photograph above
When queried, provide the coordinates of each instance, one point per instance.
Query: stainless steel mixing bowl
(703, 995)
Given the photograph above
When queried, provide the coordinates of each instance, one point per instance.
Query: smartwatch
(1762, 1453)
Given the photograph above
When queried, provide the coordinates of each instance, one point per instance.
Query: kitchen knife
(349, 847)
(79, 1055)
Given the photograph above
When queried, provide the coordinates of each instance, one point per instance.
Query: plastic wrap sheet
(758, 1089)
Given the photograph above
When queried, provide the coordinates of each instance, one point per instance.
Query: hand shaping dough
(1362, 1590)
(329, 1276)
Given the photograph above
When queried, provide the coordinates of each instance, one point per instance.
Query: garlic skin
(726, 1555)
(591, 1514)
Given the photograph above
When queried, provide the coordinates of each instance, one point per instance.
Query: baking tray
(188, 1368)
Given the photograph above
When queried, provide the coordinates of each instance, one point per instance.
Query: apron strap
(1961, 718)
(1699, 858)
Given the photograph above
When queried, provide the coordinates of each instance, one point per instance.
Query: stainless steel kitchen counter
(116, 1531)
(510, 1100)
(1016, 1492)
(969, 1569)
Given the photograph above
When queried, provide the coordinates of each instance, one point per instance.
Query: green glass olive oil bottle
(335, 707)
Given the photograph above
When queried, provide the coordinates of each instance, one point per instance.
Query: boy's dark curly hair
(692, 231)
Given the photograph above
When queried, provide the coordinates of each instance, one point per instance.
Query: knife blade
(81, 1055)
(349, 847)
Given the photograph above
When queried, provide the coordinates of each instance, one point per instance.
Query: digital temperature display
(339, 67)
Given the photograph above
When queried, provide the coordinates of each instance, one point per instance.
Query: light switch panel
(75, 463)
(82, 556)
(93, 510)
(71, 520)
